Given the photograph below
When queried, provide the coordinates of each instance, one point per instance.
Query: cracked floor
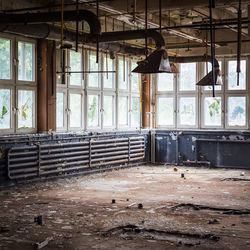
(206, 209)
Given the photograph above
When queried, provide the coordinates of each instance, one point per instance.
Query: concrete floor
(207, 209)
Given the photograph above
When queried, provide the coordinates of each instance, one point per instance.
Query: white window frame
(102, 110)
(65, 115)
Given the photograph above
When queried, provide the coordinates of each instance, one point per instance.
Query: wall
(211, 148)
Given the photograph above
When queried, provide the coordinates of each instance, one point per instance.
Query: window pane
(108, 115)
(25, 61)
(165, 82)
(75, 101)
(187, 76)
(93, 66)
(187, 110)
(135, 116)
(123, 110)
(5, 108)
(25, 108)
(75, 65)
(209, 66)
(232, 75)
(212, 111)
(134, 78)
(108, 78)
(4, 59)
(59, 55)
(123, 74)
(237, 111)
(60, 110)
(93, 110)
(165, 111)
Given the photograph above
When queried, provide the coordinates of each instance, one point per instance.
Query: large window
(92, 100)
(182, 104)
(17, 85)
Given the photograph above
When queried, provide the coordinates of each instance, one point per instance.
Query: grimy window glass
(5, 59)
(5, 108)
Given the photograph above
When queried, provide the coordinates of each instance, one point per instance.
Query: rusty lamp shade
(157, 62)
(207, 80)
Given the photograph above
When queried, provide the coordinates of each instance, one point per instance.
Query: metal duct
(35, 18)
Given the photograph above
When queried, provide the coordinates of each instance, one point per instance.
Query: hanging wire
(124, 59)
(83, 53)
(97, 37)
(160, 15)
(239, 44)
(106, 53)
(140, 87)
(62, 17)
(77, 24)
(146, 28)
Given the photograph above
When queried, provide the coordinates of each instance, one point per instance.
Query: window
(165, 111)
(5, 58)
(93, 78)
(135, 112)
(108, 110)
(5, 108)
(25, 61)
(187, 77)
(123, 110)
(232, 75)
(187, 111)
(17, 85)
(26, 108)
(123, 73)
(236, 111)
(60, 108)
(212, 111)
(75, 66)
(108, 78)
(207, 69)
(75, 108)
(134, 78)
(165, 82)
(93, 110)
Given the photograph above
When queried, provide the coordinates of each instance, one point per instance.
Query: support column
(46, 86)
(146, 101)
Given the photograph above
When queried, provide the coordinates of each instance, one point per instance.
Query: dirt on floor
(147, 207)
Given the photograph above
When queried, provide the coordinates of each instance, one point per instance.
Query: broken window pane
(134, 78)
(60, 110)
(75, 65)
(212, 111)
(5, 59)
(25, 108)
(123, 74)
(187, 111)
(187, 76)
(232, 75)
(207, 69)
(5, 108)
(93, 66)
(25, 61)
(123, 110)
(165, 111)
(237, 111)
(108, 78)
(93, 110)
(135, 115)
(108, 106)
(75, 101)
(165, 82)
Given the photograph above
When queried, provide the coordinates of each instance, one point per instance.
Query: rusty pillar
(46, 86)
(146, 101)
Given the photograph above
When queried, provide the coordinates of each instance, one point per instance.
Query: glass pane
(135, 116)
(25, 61)
(60, 110)
(232, 75)
(108, 78)
(237, 111)
(75, 65)
(212, 111)
(93, 66)
(108, 115)
(165, 111)
(165, 82)
(75, 101)
(207, 69)
(4, 59)
(187, 76)
(123, 74)
(93, 110)
(5, 108)
(134, 79)
(25, 108)
(187, 111)
(123, 110)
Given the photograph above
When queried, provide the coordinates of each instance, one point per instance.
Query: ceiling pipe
(38, 18)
